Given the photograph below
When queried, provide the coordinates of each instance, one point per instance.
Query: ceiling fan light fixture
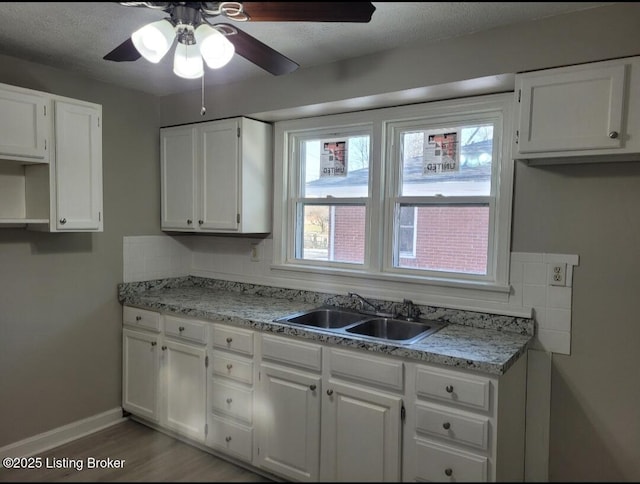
(187, 62)
(154, 40)
(216, 50)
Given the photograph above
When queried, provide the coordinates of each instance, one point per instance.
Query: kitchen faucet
(376, 308)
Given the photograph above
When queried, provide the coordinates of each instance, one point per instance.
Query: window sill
(501, 291)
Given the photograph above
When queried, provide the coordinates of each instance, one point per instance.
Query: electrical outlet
(557, 273)
(255, 251)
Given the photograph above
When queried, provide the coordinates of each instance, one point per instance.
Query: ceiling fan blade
(125, 52)
(260, 54)
(309, 11)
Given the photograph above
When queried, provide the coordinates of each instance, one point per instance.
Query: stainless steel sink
(324, 318)
(394, 329)
(353, 323)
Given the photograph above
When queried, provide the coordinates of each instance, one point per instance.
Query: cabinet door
(140, 373)
(572, 109)
(78, 167)
(361, 434)
(177, 166)
(289, 424)
(185, 380)
(23, 126)
(218, 143)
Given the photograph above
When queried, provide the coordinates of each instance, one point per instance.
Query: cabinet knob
(312, 388)
(138, 318)
(227, 438)
(189, 221)
(449, 388)
(164, 348)
(229, 366)
(448, 471)
(613, 134)
(446, 425)
(63, 221)
(329, 392)
(229, 400)
(153, 343)
(200, 222)
(229, 340)
(181, 329)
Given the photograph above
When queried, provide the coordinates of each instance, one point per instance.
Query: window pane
(335, 167)
(447, 238)
(334, 233)
(452, 161)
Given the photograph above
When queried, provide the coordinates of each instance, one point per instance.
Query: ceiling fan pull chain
(203, 109)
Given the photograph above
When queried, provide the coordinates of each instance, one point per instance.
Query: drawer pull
(164, 348)
(448, 471)
(138, 318)
(153, 343)
(329, 392)
(229, 366)
(446, 425)
(229, 400)
(227, 438)
(449, 388)
(312, 388)
(181, 329)
(613, 134)
(229, 340)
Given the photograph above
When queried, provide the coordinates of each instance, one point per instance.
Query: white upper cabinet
(217, 177)
(23, 125)
(589, 112)
(178, 169)
(78, 167)
(50, 162)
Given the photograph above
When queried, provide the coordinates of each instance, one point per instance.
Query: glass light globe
(187, 62)
(216, 50)
(154, 40)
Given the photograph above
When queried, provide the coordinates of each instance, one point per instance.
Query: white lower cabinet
(314, 426)
(314, 412)
(141, 370)
(230, 406)
(164, 371)
(464, 427)
(185, 379)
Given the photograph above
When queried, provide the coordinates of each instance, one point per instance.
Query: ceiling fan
(192, 24)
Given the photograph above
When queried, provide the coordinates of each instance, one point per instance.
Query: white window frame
(443, 288)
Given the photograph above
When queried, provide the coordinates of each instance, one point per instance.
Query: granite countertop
(483, 349)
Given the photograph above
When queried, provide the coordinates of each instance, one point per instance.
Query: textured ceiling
(75, 36)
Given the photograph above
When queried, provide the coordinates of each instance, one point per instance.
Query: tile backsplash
(530, 277)
(158, 257)
(154, 257)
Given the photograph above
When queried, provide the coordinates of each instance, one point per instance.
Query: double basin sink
(348, 322)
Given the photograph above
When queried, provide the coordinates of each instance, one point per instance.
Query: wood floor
(149, 456)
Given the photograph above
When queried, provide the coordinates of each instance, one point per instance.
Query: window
(332, 197)
(418, 194)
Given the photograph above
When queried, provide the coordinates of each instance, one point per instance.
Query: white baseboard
(61, 435)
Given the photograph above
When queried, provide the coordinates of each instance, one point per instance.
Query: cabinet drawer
(230, 437)
(457, 427)
(296, 353)
(233, 339)
(237, 369)
(186, 329)
(141, 318)
(233, 401)
(369, 369)
(438, 463)
(453, 387)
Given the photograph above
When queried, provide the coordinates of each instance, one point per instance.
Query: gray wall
(589, 210)
(60, 321)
